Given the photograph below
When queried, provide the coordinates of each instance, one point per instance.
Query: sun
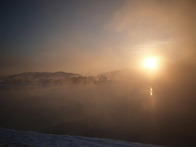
(150, 63)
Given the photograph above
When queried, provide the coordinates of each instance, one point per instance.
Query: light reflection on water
(152, 100)
(150, 91)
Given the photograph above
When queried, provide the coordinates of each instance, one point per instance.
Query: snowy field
(13, 138)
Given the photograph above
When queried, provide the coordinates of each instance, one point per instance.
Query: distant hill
(43, 79)
(35, 75)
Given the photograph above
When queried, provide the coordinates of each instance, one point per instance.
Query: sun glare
(150, 63)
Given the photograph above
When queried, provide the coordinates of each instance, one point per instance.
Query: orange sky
(95, 36)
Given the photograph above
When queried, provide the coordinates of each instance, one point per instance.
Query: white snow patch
(13, 138)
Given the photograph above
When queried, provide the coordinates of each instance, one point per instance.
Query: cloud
(155, 20)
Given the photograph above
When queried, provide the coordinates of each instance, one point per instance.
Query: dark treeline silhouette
(47, 79)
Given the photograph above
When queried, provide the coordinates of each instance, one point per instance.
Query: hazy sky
(93, 36)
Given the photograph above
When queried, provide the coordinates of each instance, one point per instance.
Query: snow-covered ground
(13, 138)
